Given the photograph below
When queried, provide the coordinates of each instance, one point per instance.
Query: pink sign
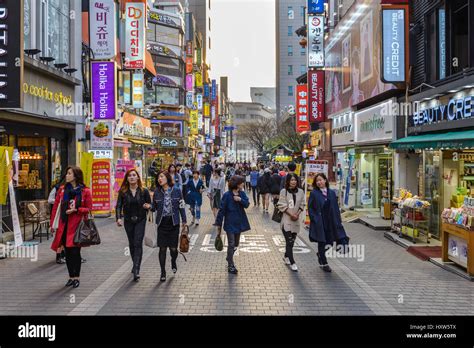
(189, 82)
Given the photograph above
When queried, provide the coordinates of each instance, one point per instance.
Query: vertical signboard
(302, 122)
(189, 49)
(138, 91)
(126, 88)
(315, 6)
(315, 41)
(189, 65)
(102, 28)
(206, 90)
(199, 101)
(135, 22)
(442, 42)
(207, 110)
(213, 90)
(316, 98)
(11, 54)
(190, 82)
(393, 45)
(102, 135)
(101, 176)
(207, 126)
(193, 122)
(198, 78)
(189, 99)
(103, 90)
(200, 121)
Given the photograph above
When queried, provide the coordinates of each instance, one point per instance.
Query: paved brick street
(264, 285)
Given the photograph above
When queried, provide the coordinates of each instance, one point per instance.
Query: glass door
(433, 189)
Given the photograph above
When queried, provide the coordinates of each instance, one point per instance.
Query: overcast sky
(243, 44)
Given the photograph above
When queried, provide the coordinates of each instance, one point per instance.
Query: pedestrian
(178, 181)
(232, 213)
(275, 187)
(325, 219)
(253, 184)
(291, 203)
(74, 200)
(291, 170)
(216, 191)
(133, 203)
(169, 207)
(186, 174)
(247, 180)
(195, 188)
(265, 188)
(60, 253)
(208, 172)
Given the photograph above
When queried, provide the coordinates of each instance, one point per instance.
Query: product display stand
(413, 227)
(458, 255)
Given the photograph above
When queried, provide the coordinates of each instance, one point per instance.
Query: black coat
(122, 209)
(275, 184)
(265, 183)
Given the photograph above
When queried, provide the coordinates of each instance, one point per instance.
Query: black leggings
(73, 261)
(322, 253)
(290, 242)
(135, 234)
(255, 193)
(162, 257)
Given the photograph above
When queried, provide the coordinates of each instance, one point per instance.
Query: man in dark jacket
(208, 172)
(275, 186)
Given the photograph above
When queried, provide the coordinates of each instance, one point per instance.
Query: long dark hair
(126, 185)
(168, 177)
(288, 179)
(78, 175)
(322, 175)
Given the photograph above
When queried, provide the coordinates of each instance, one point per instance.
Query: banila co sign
(394, 45)
(11, 54)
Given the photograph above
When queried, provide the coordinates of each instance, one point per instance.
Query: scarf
(70, 193)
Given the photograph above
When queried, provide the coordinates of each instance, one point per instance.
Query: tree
(257, 133)
(287, 135)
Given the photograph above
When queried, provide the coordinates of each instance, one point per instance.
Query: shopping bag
(87, 233)
(151, 233)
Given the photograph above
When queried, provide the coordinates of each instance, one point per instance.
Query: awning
(149, 64)
(140, 142)
(453, 140)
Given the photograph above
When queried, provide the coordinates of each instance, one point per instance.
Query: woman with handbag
(74, 200)
(216, 191)
(232, 213)
(169, 207)
(195, 188)
(291, 203)
(325, 219)
(133, 203)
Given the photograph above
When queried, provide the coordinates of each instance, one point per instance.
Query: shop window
(32, 170)
(290, 30)
(58, 41)
(459, 35)
(290, 69)
(290, 91)
(290, 50)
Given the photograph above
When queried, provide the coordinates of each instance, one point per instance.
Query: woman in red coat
(74, 200)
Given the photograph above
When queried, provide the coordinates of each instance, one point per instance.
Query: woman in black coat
(265, 188)
(275, 186)
(325, 219)
(133, 203)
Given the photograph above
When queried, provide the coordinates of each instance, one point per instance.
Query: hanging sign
(135, 21)
(138, 91)
(316, 42)
(103, 90)
(102, 29)
(393, 43)
(302, 121)
(316, 96)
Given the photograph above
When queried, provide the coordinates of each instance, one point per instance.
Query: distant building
(264, 95)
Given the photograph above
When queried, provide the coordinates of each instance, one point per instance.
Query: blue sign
(206, 90)
(315, 6)
(442, 43)
(229, 128)
(214, 90)
(393, 38)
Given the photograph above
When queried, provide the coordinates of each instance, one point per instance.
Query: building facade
(290, 56)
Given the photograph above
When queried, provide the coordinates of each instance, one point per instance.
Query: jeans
(233, 241)
(255, 193)
(322, 254)
(195, 210)
(135, 233)
(73, 261)
(290, 242)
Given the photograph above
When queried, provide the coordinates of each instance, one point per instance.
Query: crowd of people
(228, 187)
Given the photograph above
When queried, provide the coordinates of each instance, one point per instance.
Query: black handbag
(87, 233)
(277, 214)
(218, 244)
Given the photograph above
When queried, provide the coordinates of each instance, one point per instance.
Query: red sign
(101, 174)
(316, 96)
(189, 65)
(302, 122)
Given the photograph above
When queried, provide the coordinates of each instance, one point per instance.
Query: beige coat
(286, 203)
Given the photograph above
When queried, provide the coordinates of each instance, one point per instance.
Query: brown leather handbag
(184, 239)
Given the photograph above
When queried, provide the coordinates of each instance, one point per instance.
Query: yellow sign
(298, 169)
(44, 93)
(207, 110)
(316, 138)
(86, 165)
(5, 172)
(193, 122)
(198, 79)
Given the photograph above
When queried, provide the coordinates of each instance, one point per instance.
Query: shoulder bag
(87, 233)
(277, 213)
(184, 239)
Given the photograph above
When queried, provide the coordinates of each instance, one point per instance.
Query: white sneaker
(197, 222)
(287, 260)
(294, 267)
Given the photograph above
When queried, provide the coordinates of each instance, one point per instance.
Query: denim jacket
(177, 203)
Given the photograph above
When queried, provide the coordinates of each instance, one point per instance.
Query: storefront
(374, 131)
(342, 138)
(441, 144)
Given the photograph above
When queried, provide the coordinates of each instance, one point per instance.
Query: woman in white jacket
(216, 190)
(291, 203)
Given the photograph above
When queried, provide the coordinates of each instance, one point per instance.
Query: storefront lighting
(453, 91)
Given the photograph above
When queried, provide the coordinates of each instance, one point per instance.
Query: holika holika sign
(455, 109)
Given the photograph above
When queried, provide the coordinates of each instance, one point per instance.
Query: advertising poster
(135, 21)
(102, 135)
(346, 64)
(87, 160)
(103, 90)
(101, 177)
(138, 91)
(121, 168)
(5, 172)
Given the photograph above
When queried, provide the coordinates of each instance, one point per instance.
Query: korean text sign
(135, 21)
(302, 122)
(103, 90)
